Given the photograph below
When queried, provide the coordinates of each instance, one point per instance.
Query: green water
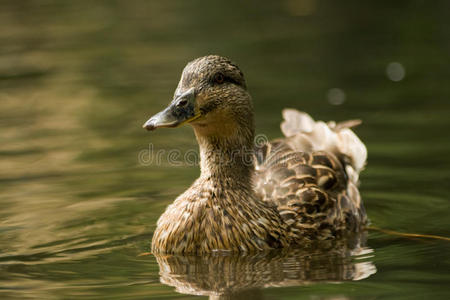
(78, 203)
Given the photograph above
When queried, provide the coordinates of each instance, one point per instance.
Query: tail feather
(305, 134)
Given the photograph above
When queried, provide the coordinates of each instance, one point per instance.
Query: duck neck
(227, 160)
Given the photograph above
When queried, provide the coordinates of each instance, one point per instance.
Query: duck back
(311, 177)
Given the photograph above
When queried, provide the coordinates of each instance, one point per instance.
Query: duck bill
(180, 111)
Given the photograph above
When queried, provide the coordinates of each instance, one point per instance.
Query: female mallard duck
(291, 191)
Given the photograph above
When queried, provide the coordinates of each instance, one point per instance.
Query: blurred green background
(79, 78)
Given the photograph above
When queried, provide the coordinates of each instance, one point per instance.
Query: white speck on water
(336, 96)
(395, 71)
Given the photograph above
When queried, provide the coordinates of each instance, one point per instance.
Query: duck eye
(218, 78)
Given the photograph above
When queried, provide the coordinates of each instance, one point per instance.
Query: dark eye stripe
(231, 80)
(226, 79)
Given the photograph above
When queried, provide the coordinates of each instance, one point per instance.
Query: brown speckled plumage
(292, 191)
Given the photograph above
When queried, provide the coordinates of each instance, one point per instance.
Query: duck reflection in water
(222, 275)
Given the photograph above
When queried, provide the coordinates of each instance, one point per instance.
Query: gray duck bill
(180, 111)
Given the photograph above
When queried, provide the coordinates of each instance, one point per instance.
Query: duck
(253, 195)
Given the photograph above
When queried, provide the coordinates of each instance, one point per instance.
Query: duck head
(211, 96)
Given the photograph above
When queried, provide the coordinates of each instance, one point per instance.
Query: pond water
(80, 193)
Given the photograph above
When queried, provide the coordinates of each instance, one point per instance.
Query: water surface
(79, 196)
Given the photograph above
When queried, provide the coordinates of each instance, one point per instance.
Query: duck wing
(311, 176)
